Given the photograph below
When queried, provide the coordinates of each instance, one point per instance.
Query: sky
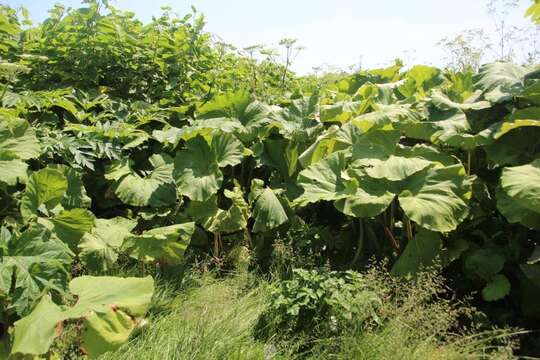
(339, 33)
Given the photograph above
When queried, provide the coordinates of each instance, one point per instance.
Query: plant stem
(359, 244)
(287, 63)
(392, 239)
(408, 227)
(216, 244)
(392, 220)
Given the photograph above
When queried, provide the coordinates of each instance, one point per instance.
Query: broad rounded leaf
(75, 196)
(18, 140)
(30, 339)
(325, 181)
(172, 136)
(166, 244)
(45, 189)
(228, 149)
(70, 225)
(397, 168)
(496, 288)
(435, 198)
(196, 170)
(267, 211)
(340, 112)
(426, 152)
(13, 171)
(110, 308)
(522, 184)
(30, 263)
(363, 204)
(376, 144)
(385, 115)
(420, 252)
(99, 249)
(484, 263)
(500, 80)
(506, 127)
(324, 145)
(516, 147)
(230, 105)
(371, 197)
(155, 189)
(515, 213)
(419, 79)
(217, 220)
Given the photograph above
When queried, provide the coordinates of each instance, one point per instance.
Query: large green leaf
(506, 127)
(496, 288)
(70, 225)
(442, 102)
(419, 79)
(515, 213)
(426, 152)
(30, 339)
(17, 139)
(522, 184)
(75, 196)
(376, 144)
(109, 307)
(45, 189)
(325, 181)
(239, 106)
(155, 189)
(396, 168)
(196, 170)
(13, 171)
(228, 149)
(299, 120)
(371, 197)
(531, 93)
(420, 252)
(217, 220)
(340, 112)
(484, 263)
(367, 201)
(229, 105)
(436, 198)
(99, 249)
(29, 264)
(171, 136)
(500, 80)
(324, 145)
(528, 117)
(165, 244)
(385, 115)
(281, 154)
(267, 210)
(516, 147)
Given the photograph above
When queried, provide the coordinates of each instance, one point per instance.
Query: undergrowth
(216, 318)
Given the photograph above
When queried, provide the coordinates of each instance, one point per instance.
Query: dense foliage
(318, 303)
(129, 144)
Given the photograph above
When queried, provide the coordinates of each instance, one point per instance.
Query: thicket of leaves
(120, 140)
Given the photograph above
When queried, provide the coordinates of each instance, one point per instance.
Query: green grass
(214, 319)
(211, 320)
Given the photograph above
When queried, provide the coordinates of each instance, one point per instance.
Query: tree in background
(473, 47)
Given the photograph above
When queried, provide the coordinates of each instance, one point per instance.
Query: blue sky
(335, 32)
